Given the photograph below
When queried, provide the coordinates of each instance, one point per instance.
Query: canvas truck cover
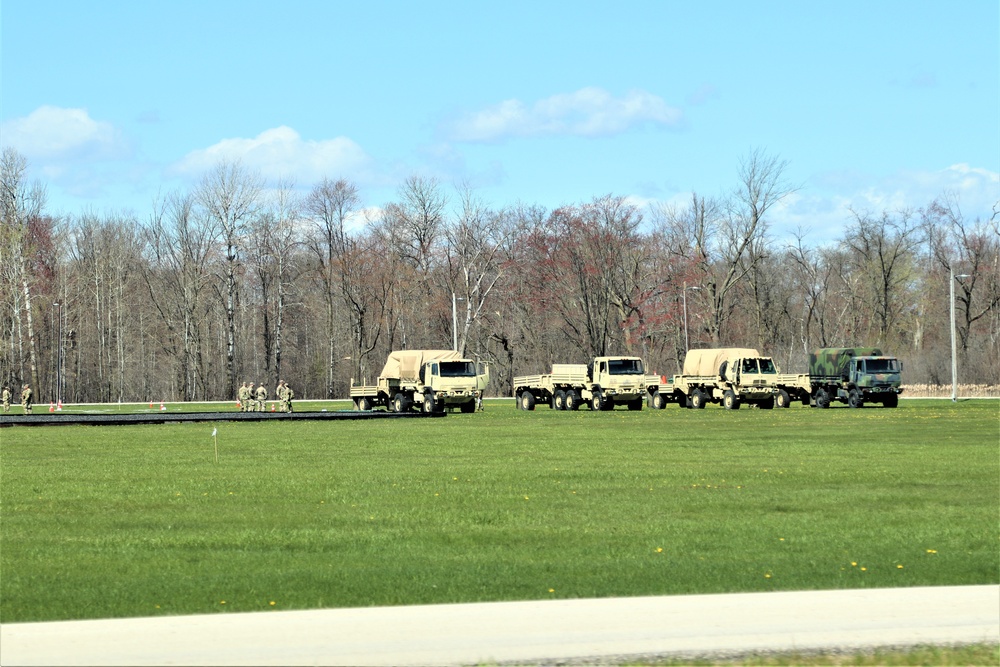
(405, 364)
(707, 362)
(829, 361)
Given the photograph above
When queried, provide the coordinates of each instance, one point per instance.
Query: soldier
(289, 395)
(6, 399)
(26, 399)
(280, 392)
(241, 397)
(248, 403)
(261, 397)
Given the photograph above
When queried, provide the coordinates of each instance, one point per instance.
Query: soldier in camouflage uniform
(280, 393)
(289, 395)
(26, 399)
(261, 397)
(241, 397)
(6, 399)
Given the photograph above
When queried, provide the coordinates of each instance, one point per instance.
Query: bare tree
(230, 196)
(883, 255)
(330, 205)
(20, 204)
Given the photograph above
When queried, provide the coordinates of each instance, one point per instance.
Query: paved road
(523, 632)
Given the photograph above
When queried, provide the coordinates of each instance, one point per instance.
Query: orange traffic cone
(52, 407)
(272, 407)
(162, 406)
(150, 404)
(59, 406)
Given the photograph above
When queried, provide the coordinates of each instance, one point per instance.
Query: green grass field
(120, 521)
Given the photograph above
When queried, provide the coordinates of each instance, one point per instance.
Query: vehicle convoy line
(542, 632)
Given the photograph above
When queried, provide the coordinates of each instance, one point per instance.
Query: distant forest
(238, 280)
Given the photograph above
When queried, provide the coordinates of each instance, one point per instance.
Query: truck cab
(617, 381)
(874, 379)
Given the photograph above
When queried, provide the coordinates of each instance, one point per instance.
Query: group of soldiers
(253, 400)
(26, 399)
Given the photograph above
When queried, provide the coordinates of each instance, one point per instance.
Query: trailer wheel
(698, 399)
(783, 399)
(659, 402)
(730, 401)
(364, 404)
(572, 401)
(527, 400)
(854, 399)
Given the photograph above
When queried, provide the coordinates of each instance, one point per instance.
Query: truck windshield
(458, 369)
(625, 367)
(767, 366)
(881, 365)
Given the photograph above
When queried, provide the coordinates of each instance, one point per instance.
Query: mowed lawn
(503, 505)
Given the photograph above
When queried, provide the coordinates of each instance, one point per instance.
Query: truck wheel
(572, 401)
(635, 404)
(698, 399)
(597, 401)
(364, 404)
(658, 401)
(729, 400)
(559, 400)
(429, 403)
(854, 399)
(891, 401)
(822, 399)
(400, 404)
(468, 407)
(783, 400)
(527, 401)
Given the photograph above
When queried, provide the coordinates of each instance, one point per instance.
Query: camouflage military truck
(429, 380)
(603, 384)
(854, 375)
(730, 376)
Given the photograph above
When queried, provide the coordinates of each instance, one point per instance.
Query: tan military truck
(429, 380)
(730, 376)
(602, 384)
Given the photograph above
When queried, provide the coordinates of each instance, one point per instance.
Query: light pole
(687, 343)
(954, 348)
(59, 353)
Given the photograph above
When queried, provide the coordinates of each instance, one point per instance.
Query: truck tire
(572, 400)
(429, 405)
(400, 403)
(597, 401)
(364, 404)
(783, 400)
(891, 401)
(822, 399)
(659, 402)
(559, 400)
(854, 399)
(527, 400)
(468, 407)
(698, 399)
(730, 401)
(635, 404)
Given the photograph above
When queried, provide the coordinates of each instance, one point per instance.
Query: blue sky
(879, 106)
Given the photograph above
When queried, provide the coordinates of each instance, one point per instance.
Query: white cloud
(588, 112)
(51, 134)
(282, 153)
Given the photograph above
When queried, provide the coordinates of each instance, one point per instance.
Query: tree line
(238, 280)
